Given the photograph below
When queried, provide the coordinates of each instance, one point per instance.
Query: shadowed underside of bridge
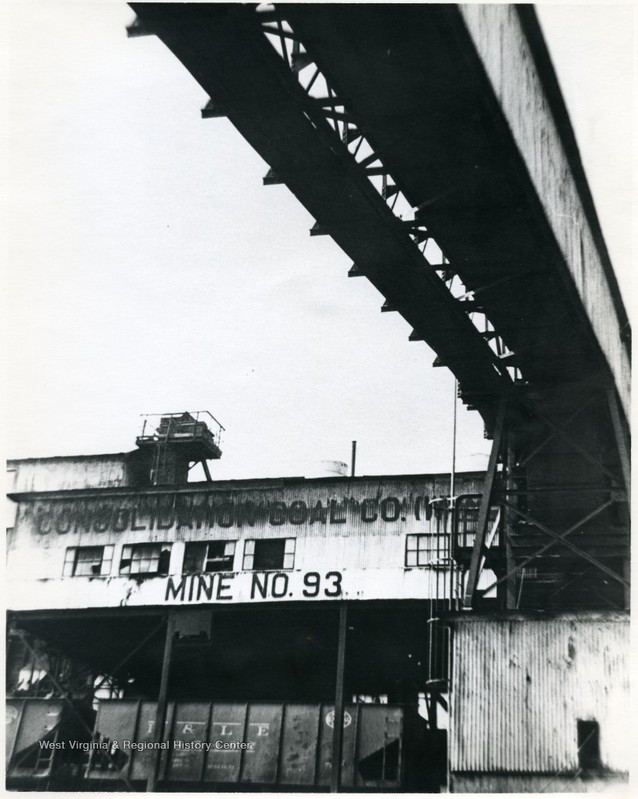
(432, 143)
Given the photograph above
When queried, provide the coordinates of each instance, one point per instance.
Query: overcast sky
(149, 269)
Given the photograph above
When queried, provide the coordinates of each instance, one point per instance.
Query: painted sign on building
(297, 540)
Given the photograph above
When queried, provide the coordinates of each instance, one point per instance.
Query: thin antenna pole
(353, 460)
(452, 474)
(452, 514)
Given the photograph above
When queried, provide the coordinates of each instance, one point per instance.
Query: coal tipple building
(167, 635)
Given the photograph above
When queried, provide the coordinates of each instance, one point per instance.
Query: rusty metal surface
(31, 722)
(190, 725)
(228, 723)
(287, 743)
(14, 710)
(264, 730)
(299, 744)
(115, 721)
(350, 718)
(520, 685)
(380, 730)
(142, 760)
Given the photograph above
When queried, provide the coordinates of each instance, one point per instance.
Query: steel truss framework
(567, 537)
(324, 102)
(269, 65)
(420, 254)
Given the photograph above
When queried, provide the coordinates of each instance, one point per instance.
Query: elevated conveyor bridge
(431, 142)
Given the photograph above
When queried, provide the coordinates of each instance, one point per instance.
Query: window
(269, 553)
(588, 744)
(87, 561)
(422, 549)
(209, 556)
(467, 517)
(145, 559)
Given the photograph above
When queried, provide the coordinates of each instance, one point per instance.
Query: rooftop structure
(176, 440)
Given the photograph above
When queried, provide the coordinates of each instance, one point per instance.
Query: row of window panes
(218, 556)
(423, 549)
(204, 556)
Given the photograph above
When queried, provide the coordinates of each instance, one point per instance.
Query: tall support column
(622, 440)
(623, 444)
(484, 510)
(337, 732)
(162, 702)
(510, 563)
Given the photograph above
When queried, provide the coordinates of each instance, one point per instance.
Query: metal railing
(182, 425)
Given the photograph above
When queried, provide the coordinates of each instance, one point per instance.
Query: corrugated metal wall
(353, 529)
(63, 474)
(519, 687)
(378, 512)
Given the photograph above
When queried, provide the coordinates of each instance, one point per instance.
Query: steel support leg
(127, 657)
(510, 562)
(162, 702)
(337, 731)
(484, 510)
(622, 440)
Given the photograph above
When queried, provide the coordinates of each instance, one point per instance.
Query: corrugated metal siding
(538, 783)
(519, 687)
(64, 474)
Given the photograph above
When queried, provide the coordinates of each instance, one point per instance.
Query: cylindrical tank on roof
(332, 468)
